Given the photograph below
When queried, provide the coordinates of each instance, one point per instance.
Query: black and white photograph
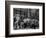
(24, 19)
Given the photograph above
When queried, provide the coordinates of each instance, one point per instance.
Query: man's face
(17, 16)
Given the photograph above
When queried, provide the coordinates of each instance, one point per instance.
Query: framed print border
(7, 21)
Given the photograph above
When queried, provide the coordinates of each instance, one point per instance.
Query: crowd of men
(25, 18)
(25, 23)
